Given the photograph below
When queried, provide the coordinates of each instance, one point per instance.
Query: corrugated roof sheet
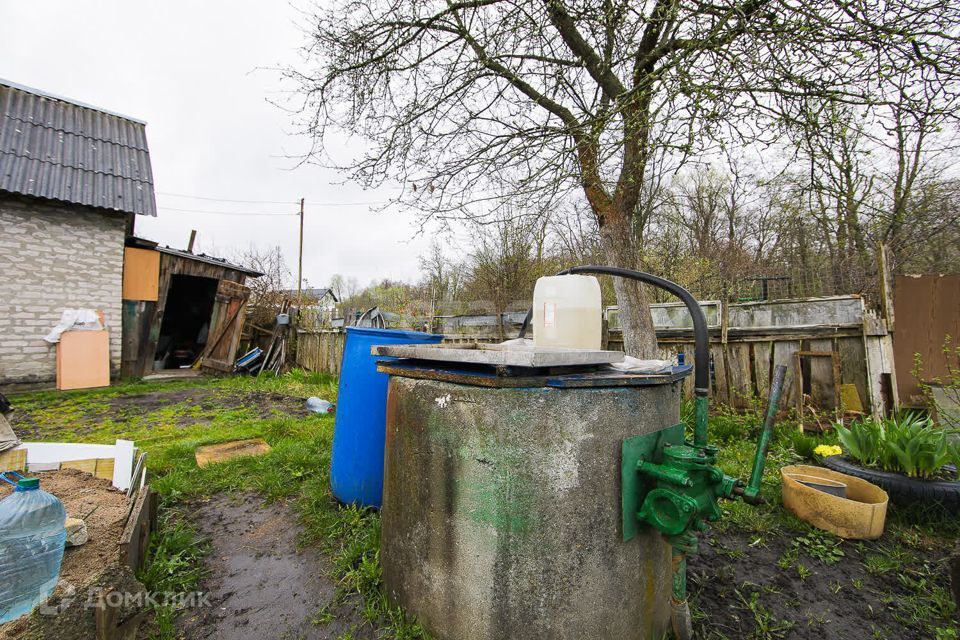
(202, 257)
(53, 148)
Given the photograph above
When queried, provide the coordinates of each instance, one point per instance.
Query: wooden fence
(839, 356)
(320, 350)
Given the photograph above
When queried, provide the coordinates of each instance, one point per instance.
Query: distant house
(316, 306)
(72, 179)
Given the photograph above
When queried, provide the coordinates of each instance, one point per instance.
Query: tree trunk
(639, 339)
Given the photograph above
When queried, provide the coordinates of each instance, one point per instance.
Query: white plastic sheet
(636, 365)
(518, 343)
(74, 320)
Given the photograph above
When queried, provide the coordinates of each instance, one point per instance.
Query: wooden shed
(178, 307)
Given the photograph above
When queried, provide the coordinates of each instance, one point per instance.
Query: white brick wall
(54, 257)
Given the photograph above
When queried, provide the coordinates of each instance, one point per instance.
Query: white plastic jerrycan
(567, 312)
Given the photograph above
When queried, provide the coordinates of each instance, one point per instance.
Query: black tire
(903, 490)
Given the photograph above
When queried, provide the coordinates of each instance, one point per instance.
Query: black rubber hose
(527, 319)
(701, 352)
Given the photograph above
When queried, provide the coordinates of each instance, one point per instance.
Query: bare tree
(475, 101)
(505, 263)
(268, 291)
(442, 278)
(344, 288)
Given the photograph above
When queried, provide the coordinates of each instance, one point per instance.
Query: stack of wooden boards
(276, 356)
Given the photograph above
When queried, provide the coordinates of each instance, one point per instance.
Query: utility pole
(300, 262)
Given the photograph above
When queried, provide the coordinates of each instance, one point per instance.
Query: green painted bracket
(632, 486)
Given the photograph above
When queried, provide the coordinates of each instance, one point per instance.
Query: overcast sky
(197, 73)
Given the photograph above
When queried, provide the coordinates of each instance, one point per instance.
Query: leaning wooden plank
(83, 360)
(136, 532)
(886, 351)
(853, 366)
(824, 389)
(878, 367)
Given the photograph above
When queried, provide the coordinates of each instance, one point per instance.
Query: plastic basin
(859, 516)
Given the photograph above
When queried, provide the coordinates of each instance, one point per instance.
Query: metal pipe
(669, 474)
(680, 618)
(751, 493)
(701, 355)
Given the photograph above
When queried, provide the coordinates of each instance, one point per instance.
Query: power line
(224, 213)
(183, 195)
(290, 202)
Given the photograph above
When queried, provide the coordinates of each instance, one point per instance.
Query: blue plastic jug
(356, 465)
(32, 537)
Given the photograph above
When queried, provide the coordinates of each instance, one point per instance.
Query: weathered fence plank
(738, 369)
(720, 383)
(784, 354)
(762, 352)
(853, 366)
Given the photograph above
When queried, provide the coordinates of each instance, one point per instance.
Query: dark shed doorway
(186, 321)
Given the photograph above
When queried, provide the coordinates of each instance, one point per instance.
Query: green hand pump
(672, 484)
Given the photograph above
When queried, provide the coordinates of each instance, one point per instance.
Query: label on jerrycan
(549, 314)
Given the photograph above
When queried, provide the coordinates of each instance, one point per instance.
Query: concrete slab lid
(499, 355)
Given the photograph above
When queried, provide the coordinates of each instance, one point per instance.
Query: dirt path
(261, 585)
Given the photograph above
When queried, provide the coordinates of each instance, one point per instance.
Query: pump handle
(751, 493)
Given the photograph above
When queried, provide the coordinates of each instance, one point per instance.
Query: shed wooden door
(226, 323)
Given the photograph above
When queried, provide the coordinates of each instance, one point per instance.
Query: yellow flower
(827, 450)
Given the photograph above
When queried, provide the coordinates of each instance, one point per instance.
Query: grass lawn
(761, 573)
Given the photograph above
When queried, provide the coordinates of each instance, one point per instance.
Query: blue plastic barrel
(356, 465)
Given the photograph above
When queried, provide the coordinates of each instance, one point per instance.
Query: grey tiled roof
(57, 149)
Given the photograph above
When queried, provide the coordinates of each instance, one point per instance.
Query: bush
(907, 444)
(802, 444)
